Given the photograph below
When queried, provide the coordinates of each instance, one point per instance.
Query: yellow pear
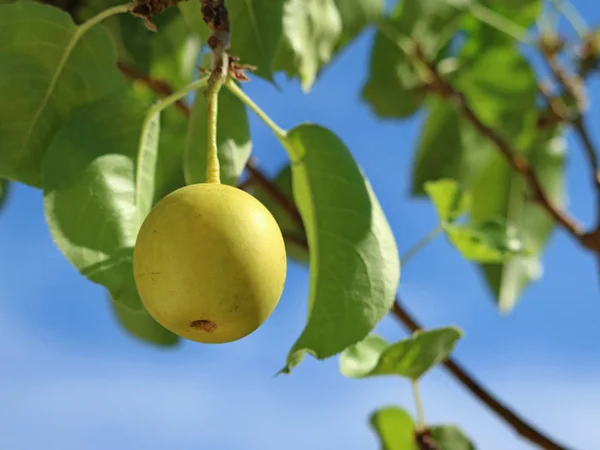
(210, 263)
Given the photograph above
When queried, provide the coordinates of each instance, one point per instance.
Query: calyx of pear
(210, 263)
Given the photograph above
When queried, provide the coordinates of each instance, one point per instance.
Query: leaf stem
(120, 9)
(572, 15)
(421, 244)
(499, 22)
(418, 405)
(240, 94)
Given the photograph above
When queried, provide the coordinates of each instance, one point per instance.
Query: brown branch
(274, 192)
(572, 86)
(517, 161)
(463, 377)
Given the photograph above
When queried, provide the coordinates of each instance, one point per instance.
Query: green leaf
(171, 54)
(449, 199)
(392, 89)
(90, 188)
(440, 153)
(311, 30)
(192, 15)
(40, 89)
(354, 264)
(140, 324)
(233, 139)
(410, 358)
(293, 232)
(487, 242)
(449, 437)
(356, 15)
(256, 27)
(395, 429)
(169, 165)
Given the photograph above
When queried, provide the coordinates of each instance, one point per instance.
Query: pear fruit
(209, 263)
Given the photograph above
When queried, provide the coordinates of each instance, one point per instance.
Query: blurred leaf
(449, 437)
(233, 139)
(293, 232)
(354, 261)
(395, 429)
(440, 152)
(256, 28)
(40, 89)
(499, 191)
(4, 190)
(501, 88)
(141, 325)
(171, 54)
(410, 358)
(89, 192)
(192, 15)
(311, 31)
(169, 166)
(486, 242)
(392, 89)
(356, 15)
(449, 199)
(481, 36)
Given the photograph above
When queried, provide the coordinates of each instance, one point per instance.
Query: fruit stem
(216, 81)
(418, 405)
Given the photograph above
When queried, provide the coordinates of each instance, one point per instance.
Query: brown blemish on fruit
(204, 325)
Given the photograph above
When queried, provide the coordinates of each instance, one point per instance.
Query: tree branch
(517, 161)
(516, 422)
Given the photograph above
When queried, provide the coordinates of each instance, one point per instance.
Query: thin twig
(516, 160)
(517, 423)
(592, 156)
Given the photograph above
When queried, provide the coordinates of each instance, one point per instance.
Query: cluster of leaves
(75, 105)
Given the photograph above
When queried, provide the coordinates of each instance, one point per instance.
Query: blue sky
(72, 380)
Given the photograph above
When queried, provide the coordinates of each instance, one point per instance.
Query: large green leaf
(90, 192)
(410, 358)
(354, 261)
(169, 165)
(395, 429)
(141, 325)
(41, 85)
(256, 27)
(311, 32)
(293, 232)
(233, 139)
(392, 89)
